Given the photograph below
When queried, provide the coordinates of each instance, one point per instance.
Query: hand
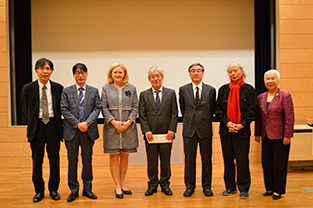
(286, 141)
(83, 126)
(125, 125)
(149, 136)
(231, 127)
(258, 139)
(170, 135)
(118, 125)
(238, 127)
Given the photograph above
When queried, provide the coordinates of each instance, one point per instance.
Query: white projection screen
(171, 34)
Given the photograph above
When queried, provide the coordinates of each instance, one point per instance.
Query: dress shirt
(49, 98)
(160, 93)
(194, 87)
(84, 87)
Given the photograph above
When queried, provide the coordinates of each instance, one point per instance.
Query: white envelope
(159, 138)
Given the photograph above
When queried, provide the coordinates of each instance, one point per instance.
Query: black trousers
(83, 140)
(154, 153)
(275, 157)
(46, 134)
(236, 149)
(190, 149)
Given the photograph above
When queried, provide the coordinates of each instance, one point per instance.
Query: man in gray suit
(197, 102)
(158, 114)
(80, 106)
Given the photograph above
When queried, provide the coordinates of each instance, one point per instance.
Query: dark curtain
(265, 43)
(20, 54)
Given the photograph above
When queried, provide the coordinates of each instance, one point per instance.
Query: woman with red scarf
(235, 109)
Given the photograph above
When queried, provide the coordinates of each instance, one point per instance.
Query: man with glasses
(197, 103)
(80, 106)
(41, 106)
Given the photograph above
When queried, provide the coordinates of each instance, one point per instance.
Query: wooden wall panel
(303, 113)
(296, 55)
(282, 2)
(294, 85)
(3, 60)
(296, 12)
(2, 44)
(302, 99)
(2, 28)
(3, 89)
(3, 105)
(296, 70)
(296, 26)
(296, 41)
(3, 120)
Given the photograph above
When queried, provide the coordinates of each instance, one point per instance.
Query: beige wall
(296, 54)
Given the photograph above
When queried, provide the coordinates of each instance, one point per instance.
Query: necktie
(44, 106)
(81, 105)
(157, 100)
(197, 96)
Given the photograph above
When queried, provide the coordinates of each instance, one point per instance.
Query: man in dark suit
(197, 103)
(41, 106)
(158, 114)
(80, 106)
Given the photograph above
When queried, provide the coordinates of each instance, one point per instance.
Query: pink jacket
(278, 119)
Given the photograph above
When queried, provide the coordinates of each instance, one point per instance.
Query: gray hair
(274, 71)
(153, 68)
(244, 75)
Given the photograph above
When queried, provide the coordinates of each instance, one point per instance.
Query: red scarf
(233, 105)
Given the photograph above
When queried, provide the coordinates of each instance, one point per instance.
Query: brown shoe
(90, 195)
(72, 197)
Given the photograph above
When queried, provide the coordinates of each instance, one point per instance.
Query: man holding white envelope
(158, 116)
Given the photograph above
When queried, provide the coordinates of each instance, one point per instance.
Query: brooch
(128, 93)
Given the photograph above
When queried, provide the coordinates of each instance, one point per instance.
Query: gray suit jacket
(70, 111)
(154, 121)
(197, 119)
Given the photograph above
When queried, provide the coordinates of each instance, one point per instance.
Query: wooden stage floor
(16, 190)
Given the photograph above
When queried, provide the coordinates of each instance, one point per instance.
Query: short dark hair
(80, 66)
(195, 64)
(43, 61)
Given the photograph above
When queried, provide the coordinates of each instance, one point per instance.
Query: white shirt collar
(77, 87)
(161, 89)
(199, 85)
(48, 85)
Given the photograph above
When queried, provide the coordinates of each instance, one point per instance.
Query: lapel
(53, 94)
(204, 89)
(274, 101)
(36, 92)
(164, 97)
(190, 92)
(151, 100)
(87, 94)
(76, 101)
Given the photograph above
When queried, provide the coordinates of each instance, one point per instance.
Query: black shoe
(127, 192)
(167, 191)
(55, 195)
(188, 192)
(276, 196)
(119, 196)
(244, 195)
(208, 192)
(150, 191)
(72, 197)
(268, 193)
(90, 195)
(229, 192)
(38, 197)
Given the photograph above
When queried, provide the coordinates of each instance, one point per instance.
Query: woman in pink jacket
(274, 126)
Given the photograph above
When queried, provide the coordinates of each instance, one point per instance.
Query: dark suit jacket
(31, 104)
(70, 111)
(154, 121)
(197, 118)
(278, 119)
(247, 101)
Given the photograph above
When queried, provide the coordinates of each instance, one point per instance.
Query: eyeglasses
(80, 73)
(44, 68)
(196, 70)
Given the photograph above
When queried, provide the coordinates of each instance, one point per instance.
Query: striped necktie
(197, 96)
(81, 105)
(157, 100)
(44, 106)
